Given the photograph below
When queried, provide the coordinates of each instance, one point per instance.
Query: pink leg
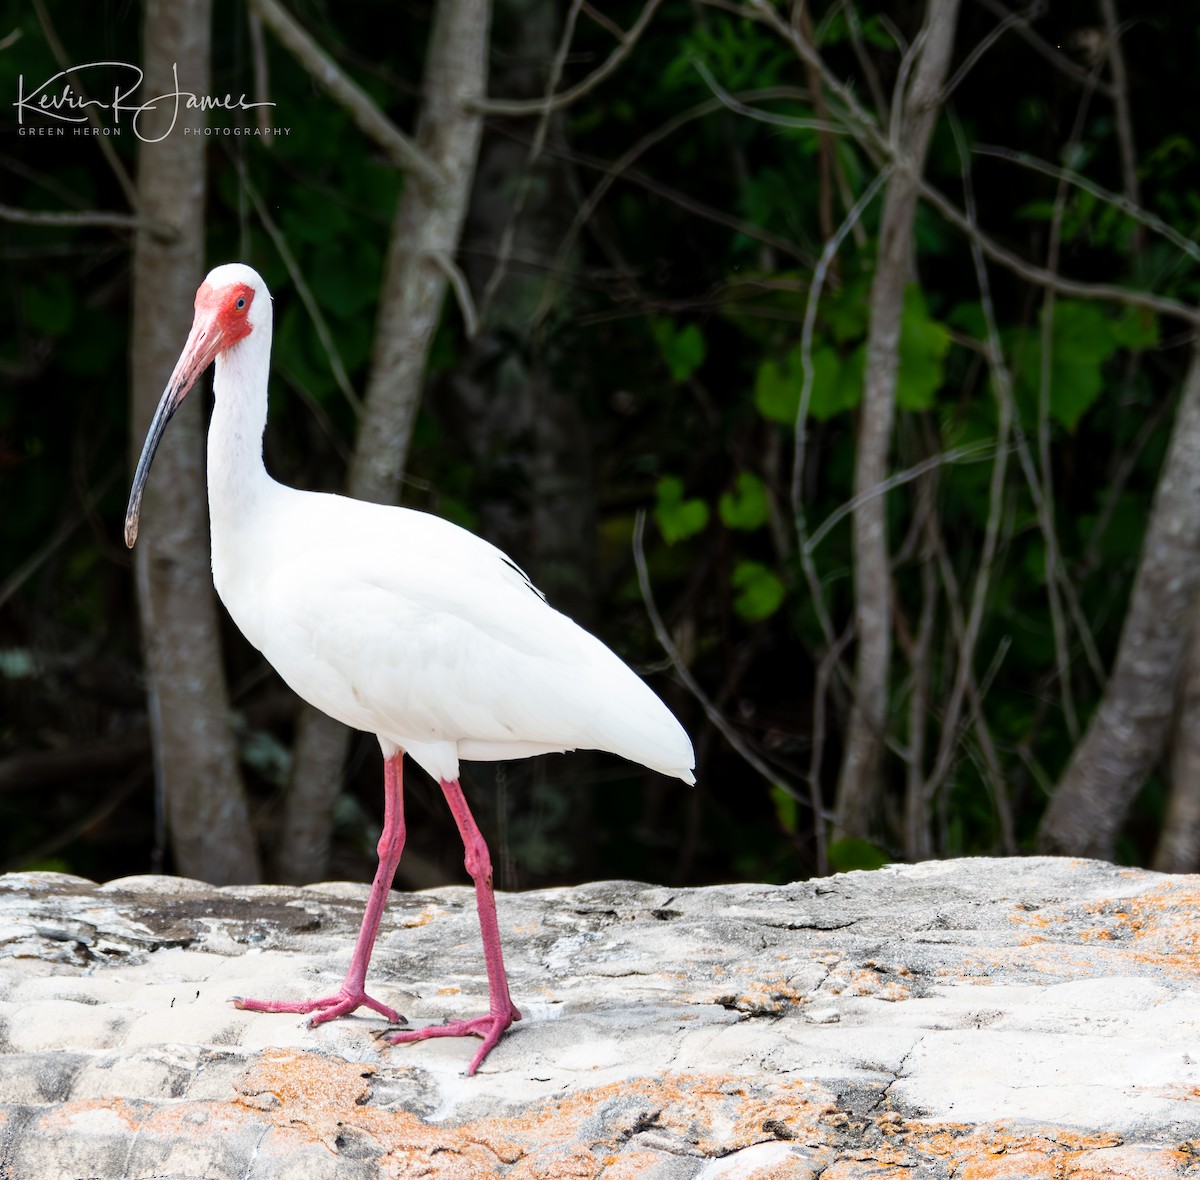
(352, 994)
(501, 1012)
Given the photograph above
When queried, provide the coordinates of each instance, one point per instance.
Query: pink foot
(344, 1001)
(489, 1027)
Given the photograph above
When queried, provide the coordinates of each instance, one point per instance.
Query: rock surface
(969, 1019)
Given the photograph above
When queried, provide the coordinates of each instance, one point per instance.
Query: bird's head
(231, 304)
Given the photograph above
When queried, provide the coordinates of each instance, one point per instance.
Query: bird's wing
(429, 634)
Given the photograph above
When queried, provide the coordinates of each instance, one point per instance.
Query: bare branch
(102, 141)
(74, 219)
(521, 197)
(1001, 381)
(557, 102)
(800, 444)
(462, 291)
(1120, 97)
(1060, 61)
(304, 291)
(51, 545)
(403, 151)
(1106, 292)
(685, 675)
(792, 122)
(1007, 21)
(1125, 203)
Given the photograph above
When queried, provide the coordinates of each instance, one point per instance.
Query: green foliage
(850, 853)
(677, 516)
(1083, 339)
(678, 331)
(777, 387)
(760, 592)
(787, 810)
(746, 507)
(682, 349)
(923, 347)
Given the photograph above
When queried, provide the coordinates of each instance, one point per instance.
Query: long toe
(490, 1027)
(344, 1001)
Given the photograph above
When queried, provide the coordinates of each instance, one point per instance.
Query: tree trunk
(427, 226)
(1128, 731)
(1178, 848)
(860, 778)
(195, 753)
(526, 433)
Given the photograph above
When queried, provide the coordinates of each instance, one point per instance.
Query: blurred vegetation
(679, 328)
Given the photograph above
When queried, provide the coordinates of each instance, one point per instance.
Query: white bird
(397, 623)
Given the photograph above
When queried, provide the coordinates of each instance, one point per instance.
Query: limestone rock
(966, 1019)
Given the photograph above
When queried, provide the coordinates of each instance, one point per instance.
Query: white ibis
(398, 623)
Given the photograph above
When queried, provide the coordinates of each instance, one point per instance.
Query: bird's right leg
(353, 994)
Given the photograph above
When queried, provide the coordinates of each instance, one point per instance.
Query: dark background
(682, 296)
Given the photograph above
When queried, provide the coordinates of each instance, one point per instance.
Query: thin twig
(102, 141)
(1127, 204)
(684, 673)
(509, 233)
(462, 291)
(791, 122)
(800, 443)
(258, 56)
(993, 777)
(620, 169)
(1120, 97)
(1001, 380)
(403, 150)
(1006, 22)
(303, 290)
(1046, 514)
(50, 546)
(557, 102)
(1024, 29)
(829, 663)
(973, 453)
(1039, 276)
(73, 219)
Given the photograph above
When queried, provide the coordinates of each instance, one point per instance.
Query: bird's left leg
(501, 1011)
(353, 992)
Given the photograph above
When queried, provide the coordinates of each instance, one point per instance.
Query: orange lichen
(1156, 930)
(1162, 926)
(427, 915)
(297, 1100)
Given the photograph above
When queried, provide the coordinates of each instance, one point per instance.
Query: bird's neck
(238, 482)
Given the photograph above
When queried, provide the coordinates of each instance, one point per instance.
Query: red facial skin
(219, 308)
(219, 324)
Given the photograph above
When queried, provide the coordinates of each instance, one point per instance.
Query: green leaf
(1081, 340)
(678, 518)
(777, 390)
(923, 346)
(844, 313)
(682, 350)
(759, 592)
(837, 382)
(1136, 328)
(787, 811)
(746, 506)
(850, 853)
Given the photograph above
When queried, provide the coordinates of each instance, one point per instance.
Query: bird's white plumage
(400, 623)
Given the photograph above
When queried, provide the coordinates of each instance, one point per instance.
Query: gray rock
(965, 1019)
